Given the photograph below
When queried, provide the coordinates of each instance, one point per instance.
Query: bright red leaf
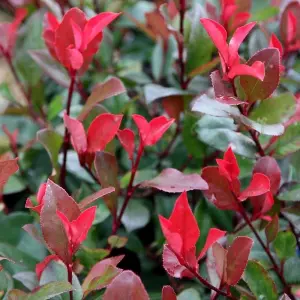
(126, 137)
(40, 267)
(259, 185)
(100, 132)
(275, 43)
(126, 286)
(75, 40)
(229, 52)
(152, 132)
(77, 229)
(168, 293)
(39, 198)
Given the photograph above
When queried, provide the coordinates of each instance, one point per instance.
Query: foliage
(149, 149)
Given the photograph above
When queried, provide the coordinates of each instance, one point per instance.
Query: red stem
(130, 189)
(62, 177)
(69, 268)
(266, 249)
(32, 113)
(207, 284)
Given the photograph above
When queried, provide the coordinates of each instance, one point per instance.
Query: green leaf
(189, 294)
(274, 110)
(15, 184)
(89, 257)
(289, 142)
(291, 270)
(200, 47)
(136, 215)
(272, 228)
(259, 281)
(157, 60)
(28, 279)
(117, 241)
(55, 107)
(285, 244)
(50, 290)
(292, 194)
(102, 213)
(6, 283)
(220, 132)
(52, 142)
(265, 14)
(189, 135)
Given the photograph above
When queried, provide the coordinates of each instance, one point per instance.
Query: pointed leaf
(111, 87)
(237, 258)
(126, 286)
(173, 181)
(272, 229)
(126, 137)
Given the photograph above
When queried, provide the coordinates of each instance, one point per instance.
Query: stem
(32, 113)
(181, 44)
(266, 249)
(207, 284)
(130, 189)
(62, 178)
(69, 268)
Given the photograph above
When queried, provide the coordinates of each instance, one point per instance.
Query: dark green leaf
(285, 245)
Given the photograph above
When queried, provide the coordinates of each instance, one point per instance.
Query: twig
(62, 177)
(69, 268)
(181, 44)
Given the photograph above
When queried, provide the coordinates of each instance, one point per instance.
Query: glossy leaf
(264, 287)
(285, 245)
(173, 181)
(126, 286)
(111, 87)
(260, 90)
(237, 259)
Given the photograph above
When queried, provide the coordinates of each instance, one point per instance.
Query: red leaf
(168, 293)
(126, 286)
(39, 197)
(237, 258)
(173, 181)
(181, 229)
(126, 137)
(78, 136)
(259, 185)
(77, 229)
(228, 166)
(219, 191)
(153, 131)
(102, 130)
(218, 35)
(223, 91)
(40, 267)
(256, 70)
(213, 236)
(268, 166)
(173, 266)
(7, 168)
(275, 43)
(261, 205)
(260, 90)
(99, 268)
(173, 105)
(56, 198)
(92, 198)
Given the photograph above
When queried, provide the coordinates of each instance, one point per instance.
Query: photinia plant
(126, 134)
